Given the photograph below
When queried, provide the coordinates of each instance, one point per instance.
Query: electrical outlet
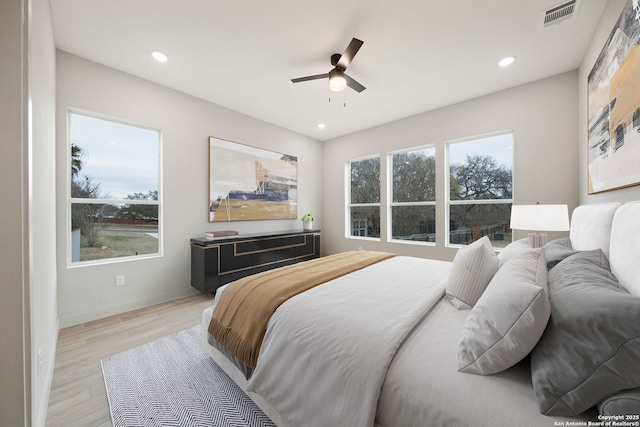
(119, 280)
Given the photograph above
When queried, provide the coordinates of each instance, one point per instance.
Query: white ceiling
(418, 55)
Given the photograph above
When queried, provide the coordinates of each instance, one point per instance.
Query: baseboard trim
(121, 307)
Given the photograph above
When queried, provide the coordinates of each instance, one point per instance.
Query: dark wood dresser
(217, 262)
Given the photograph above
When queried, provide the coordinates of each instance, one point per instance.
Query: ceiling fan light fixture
(337, 82)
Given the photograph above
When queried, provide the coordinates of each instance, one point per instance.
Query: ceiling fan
(338, 80)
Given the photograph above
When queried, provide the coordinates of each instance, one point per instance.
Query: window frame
(349, 204)
(391, 204)
(70, 201)
(447, 170)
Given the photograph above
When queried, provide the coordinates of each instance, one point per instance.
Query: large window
(413, 195)
(114, 199)
(480, 189)
(364, 197)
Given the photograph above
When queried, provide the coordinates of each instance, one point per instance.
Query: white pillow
(514, 248)
(471, 270)
(509, 318)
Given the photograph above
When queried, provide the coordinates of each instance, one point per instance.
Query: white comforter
(326, 352)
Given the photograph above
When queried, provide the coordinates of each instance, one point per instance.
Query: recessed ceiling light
(321, 126)
(159, 56)
(506, 61)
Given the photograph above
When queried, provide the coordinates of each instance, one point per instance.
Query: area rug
(173, 382)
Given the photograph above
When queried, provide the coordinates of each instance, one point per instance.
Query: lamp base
(537, 240)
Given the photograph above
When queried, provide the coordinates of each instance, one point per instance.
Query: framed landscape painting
(248, 183)
(614, 107)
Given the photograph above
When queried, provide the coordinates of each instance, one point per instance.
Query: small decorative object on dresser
(307, 221)
(221, 234)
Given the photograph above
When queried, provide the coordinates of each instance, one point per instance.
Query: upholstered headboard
(591, 226)
(624, 257)
(615, 229)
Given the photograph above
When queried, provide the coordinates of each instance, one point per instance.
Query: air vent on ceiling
(559, 13)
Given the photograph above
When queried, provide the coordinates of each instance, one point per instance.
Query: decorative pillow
(471, 270)
(591, 347)
(626, 402)
(557, 250)
(509, 318)
(514, 248)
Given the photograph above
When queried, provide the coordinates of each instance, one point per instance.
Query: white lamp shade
(540, 217)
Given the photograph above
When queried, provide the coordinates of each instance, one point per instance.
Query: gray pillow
(591, 347)
(626, 402)
(557, 250)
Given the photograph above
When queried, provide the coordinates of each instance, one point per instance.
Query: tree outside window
(480, 189)
(364, 197)
(413, 210)
(114, 199)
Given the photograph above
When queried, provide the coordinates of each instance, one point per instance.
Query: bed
(525, 338)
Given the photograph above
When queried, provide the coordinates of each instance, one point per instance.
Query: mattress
(424, 388)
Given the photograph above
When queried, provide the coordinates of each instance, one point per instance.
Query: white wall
(542, 116)
(27, 256)
(607, 22)
(87, 293)
(43, 295)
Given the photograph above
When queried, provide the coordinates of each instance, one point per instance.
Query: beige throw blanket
(240, 319)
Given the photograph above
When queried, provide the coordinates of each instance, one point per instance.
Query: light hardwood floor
(78, 397)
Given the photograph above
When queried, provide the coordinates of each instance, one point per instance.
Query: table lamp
(539, 218)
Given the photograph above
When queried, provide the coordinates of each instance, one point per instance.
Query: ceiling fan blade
(349, 53)
(354, 84)
(316, 77)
